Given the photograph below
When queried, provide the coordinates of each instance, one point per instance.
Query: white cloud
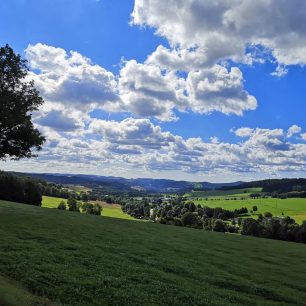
(144, 89)
(244, 132)
(130, 131)
(148, 91)
(303, 136)
(70, 78)
(294, 129)
(218, 89)
(225, 28)
(59, 121)
(139, 144)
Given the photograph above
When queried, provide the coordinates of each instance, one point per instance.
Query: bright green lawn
(293, 207)
(78, 259)
(113, 211)
(51, 202)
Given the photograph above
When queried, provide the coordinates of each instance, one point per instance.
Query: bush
(62, 205)
(268, 215)
(250, 227)
(219, 226)
(177, 222)
(232, 229)
(97, 210)
(92, 209)
(189, 219)
(73, 205)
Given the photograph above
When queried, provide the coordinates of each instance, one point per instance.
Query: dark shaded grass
(76, 259)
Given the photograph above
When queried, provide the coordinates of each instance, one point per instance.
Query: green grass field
(12, 294)
(245, 193)
(293, 207)
(78, 259)
(109, 210)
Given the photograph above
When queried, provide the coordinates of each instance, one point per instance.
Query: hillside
(120, 184)
(77, 259)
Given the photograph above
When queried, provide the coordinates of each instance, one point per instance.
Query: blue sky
(161, 83)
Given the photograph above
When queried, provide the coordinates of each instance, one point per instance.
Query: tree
(18, 99)
(189, 219)
(250, 226)
(219, 226)
(255, 208)
(73, 205)
(62, 205)
(268, 215)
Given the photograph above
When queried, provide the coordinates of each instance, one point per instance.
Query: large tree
(18, 99)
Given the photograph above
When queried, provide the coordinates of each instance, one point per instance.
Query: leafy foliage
(18, 99)
(20, 189)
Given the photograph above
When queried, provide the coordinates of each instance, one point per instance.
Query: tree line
(20, 189)
(179, 212)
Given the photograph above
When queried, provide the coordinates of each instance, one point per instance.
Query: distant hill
(129, 185)
(285, 185)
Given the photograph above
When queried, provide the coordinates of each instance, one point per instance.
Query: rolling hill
(77, 259)
(120, 184)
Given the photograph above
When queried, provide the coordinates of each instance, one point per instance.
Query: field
(12, 294)
(78, 259)
(293, 207)
(232, 193)
(109, 210)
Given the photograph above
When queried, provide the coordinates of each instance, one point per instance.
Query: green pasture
(245, 193)
(109, 210)
(78, 259)
(293, 207)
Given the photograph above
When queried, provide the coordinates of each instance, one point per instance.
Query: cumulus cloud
(130, 131)
(244, 132)
(294, 129)
(218, 89)
(140, 144)
(146, 90)
(59, 121)
(226, 28)
(70, 78)
(143, 89)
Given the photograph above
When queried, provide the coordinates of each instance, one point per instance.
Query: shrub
(73, 205)
(249, 226)
(232, 229)
(219, 226)
(189, 219)
(62, 205)
(268, 215)
(97, 210)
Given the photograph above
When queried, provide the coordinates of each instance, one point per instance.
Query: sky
(194, 90)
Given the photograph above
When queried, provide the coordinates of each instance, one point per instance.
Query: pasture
(78, 259)
(109, 210)
(231, 193)
(293, 207)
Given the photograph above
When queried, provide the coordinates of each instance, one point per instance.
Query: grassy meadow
(237, 198)
(231, 193)
(78, 259)
(13, 294)
(109, 210)
(293, 207)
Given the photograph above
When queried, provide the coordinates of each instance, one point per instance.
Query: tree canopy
(18, 100)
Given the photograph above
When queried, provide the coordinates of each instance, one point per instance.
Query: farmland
(109, 210)
(293, 207)
(78, 259)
